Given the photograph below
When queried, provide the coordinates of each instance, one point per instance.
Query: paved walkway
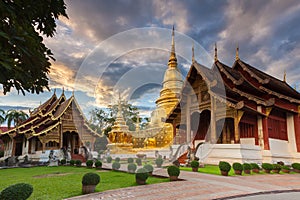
(202, 186)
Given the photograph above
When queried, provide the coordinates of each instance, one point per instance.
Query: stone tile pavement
(202, 186)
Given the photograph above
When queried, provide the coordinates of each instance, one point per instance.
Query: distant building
(2, 129)
(56, 124)
(255, 119)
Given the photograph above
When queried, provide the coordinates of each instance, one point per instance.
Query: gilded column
(188, 119)
(213, 138)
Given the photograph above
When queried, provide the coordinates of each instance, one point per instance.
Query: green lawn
(65, 181)
(214, 169)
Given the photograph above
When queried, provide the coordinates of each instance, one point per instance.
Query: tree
(98, 120)
(2, 116)
(15, 116)
(24, 59)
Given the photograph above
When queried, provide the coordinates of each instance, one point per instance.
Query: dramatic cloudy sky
(111, 47)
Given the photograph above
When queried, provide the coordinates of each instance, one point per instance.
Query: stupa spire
(173, 59)
(237, 52)
(193, 53)
(216, 52)
(284, 76)
(119, 114)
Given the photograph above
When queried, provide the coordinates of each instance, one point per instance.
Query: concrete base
(213, 153)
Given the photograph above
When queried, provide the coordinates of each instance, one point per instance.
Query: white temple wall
(291, 133)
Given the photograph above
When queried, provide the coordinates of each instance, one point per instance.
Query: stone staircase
(78, 157)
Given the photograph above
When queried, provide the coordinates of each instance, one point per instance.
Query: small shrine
(120, 137)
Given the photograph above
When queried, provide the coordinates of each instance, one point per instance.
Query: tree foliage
(24, 59)
(15, 117)
(103, 119)
(2, 116)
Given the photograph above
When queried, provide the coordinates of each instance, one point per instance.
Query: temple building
(56, 124)
(237, 113)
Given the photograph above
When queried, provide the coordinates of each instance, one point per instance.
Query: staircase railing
(180, 150)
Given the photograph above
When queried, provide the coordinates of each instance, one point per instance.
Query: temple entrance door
(71, 140)
(200, 124)
(226, 127)
(19, 147)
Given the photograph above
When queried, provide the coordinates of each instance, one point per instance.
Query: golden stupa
(157, 134)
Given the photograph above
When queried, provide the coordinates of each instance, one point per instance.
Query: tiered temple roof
(47, 117)
(245, 87)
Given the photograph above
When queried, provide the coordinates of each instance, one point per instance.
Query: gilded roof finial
(73, 93)
(173, 59)
(284, 76)
(54, 91)
(173, 41)
(216, 52)
(193, 53)
(237, 52)
(63, 90)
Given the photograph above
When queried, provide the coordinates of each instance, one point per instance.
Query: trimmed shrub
(19, 191)
(117, 159)
(130, 160)
(89, 163)
(237, 166)
(285, 167)
(116, 165)
(173, 170)
(277, 167)
(78, 163)
(72, 162)
(131, 167)
(159, 162)
(138, 161)
(194, 164)
(246, 166)
(109, 159)
(63, 161)
(296, 166)
(267, 166)
(142, 174)
(254, 166)
(98, 164)
(90, 179)
(149, 168)
(224, 166)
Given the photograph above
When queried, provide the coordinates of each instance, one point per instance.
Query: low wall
(213, 153)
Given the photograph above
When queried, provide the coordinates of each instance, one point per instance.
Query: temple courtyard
(64, 182)
(206, 186)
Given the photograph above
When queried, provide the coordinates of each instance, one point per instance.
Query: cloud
(61, 75)
(95, 55)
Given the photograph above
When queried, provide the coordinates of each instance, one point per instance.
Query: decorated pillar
(266, 133)
(213, 122)
(61, 136)
(188, 119)
(266, 128)
(237, 118)
(297, 130)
